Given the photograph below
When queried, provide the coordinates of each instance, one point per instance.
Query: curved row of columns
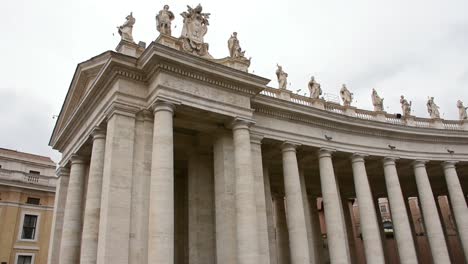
(87, 237)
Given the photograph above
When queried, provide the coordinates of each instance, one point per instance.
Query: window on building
(32, 200)
(29, 227)
(24, 259)
(34, 172)
(383, 208)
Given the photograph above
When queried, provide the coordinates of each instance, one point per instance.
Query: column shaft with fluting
(400, 218)
(336, 232)
(72, 220)
(161, 207)
(457, 198)
(246, 211)
(89, 239)
(369, 225)
(432, 223)
(295, 218)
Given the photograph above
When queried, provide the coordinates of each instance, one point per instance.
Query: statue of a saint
(235, 50)
(314, 88)
(432, 108)
(163, 20)
(405, 106)
(194, 29)
(346, 95)
(282, 77)
(377, 101)
(125, 30)
(462, 110)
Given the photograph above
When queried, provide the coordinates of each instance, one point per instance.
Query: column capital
(289, 146)
(325, 152)
(120, 109)
(256, 138)
(419, 163)
(145, 115)
(358, 157)
(98, 133)
(62, 172)
(161, 105)
(77, 159)
(449, 164)
(240, 123)
(390, 160)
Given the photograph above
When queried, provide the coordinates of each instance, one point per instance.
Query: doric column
(270, 215)
(72, 220)
(457, 198)
(295, 217)
(116, 197)
(257, 162)
(400, 218)
(225, 203)
(336, 231)
(312, 241)
(57, 220)
(246, 211)
(435, 234)
(281, 228)
(89, 239)
(369, 228)
(161, 207)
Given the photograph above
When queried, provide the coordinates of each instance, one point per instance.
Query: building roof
(23, 155)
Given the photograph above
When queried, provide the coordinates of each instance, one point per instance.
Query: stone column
(457, 199)
(316, 229)
(369, 228)
(89, 238)
(72, 220)
(161, 207)
(295, 218)
(116, 198)
(264, 245)
(246, 211)
(400, 218)
(270, 215)
(57, 220)
(225, 204)
(312, 241)
(282, 240)
(435, 234)
(336, 232)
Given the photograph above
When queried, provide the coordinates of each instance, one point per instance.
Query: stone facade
(27, 191)
(179, 158)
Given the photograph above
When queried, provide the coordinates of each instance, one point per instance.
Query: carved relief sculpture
(194, 29)
(282, 77)
(405, 106)
(432, 108)
(163, 20)
(125, 30)
(314, 88)
(346, 96)
(377, 101)
(462, 110)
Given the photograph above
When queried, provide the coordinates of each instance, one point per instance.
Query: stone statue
(377, 101)
(282, 77)
(432, 108)
(462, 110)
(314, 88)
(405, 106)
(235, 50)
(194, 29)
(125, 30)
(163, 20)
(346, 96)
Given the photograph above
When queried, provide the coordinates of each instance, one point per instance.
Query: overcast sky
(415, 48)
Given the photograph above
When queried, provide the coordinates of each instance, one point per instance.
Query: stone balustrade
(27, 178)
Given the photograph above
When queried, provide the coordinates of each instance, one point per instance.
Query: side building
(27, 191)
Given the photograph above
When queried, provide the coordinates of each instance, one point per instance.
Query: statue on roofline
(235, 50)
(377, 101)
(432, 108)
(163, 20)
(405, 106)
(194, 29)
(125, 30)
(346, 96)
(314, 88)
(462, 110)
(282, 77)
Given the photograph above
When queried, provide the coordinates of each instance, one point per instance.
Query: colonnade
(99, 228)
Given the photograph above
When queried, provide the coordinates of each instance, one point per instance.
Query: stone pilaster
(336, 231)
(400, 218)
(432, 221)
(369, 228)
(161, 206)
(457, 199)
(89, 238)
(72, 220)
(295, 217)
(246, 215)
(63, 175)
